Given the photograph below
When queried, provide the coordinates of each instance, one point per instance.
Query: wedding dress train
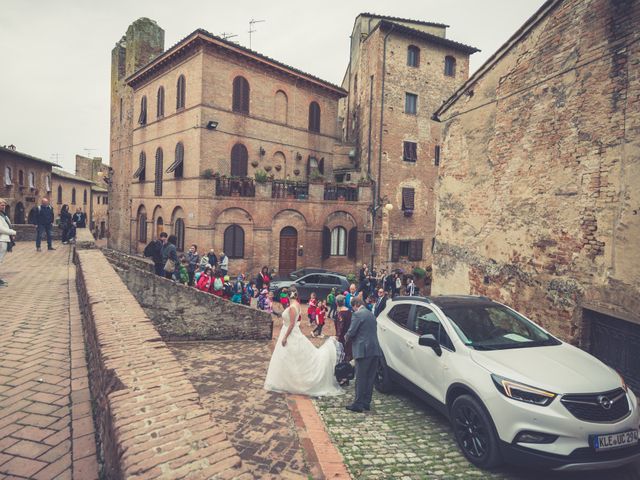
(300, 367)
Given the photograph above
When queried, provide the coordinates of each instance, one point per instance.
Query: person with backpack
(263, 279)
(218, 284)
(238, 289)
(43, 220)
(193, 259)
(170, 256)
(6, 235)
(331, 303)
(224, 264)
(227, 289)
(205, 282)
(66, 224)
(154, 251)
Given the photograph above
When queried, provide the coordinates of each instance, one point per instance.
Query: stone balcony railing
(290, 190)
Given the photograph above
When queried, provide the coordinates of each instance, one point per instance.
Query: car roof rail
(418, 298)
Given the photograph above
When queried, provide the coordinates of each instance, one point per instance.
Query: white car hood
(560, 368)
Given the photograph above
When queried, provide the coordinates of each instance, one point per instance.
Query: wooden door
(288, 251)
(159, 227)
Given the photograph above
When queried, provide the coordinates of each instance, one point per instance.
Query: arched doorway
(288, 250)
(19, 215)
(159, 227)
(7, 211)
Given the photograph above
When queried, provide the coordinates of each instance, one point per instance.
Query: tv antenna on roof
(227, 36)
(89, 150)
(252, 22)
(56, 157)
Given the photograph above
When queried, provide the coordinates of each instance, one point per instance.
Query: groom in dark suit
(366, 351)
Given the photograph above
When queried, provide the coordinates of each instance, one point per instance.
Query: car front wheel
(475, 433)
(383, 382)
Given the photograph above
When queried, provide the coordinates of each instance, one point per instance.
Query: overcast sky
(54, 79)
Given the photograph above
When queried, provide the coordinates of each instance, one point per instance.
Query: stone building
(25, 181)
(100, 210)
(229, 149)
(71, 190)
(399, 72)
(539, 191)
(93, 169)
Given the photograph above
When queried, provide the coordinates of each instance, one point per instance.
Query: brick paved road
(46, 427)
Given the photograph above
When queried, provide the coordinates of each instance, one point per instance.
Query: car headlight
(522, 392)
(624, 384)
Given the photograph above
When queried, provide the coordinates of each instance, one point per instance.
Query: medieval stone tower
(143, 42)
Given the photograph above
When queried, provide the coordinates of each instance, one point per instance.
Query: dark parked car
(319, 283)
(301, 273)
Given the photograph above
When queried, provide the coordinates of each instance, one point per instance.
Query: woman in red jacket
(205, 282)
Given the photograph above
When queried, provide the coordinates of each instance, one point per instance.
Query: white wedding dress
(300, 367)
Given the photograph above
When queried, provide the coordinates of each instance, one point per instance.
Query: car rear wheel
(383, 382)
(475, 432)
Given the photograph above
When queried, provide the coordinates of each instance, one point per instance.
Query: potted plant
(208, 174)
(316, 177)
(254, 163)
(278, 167)
(296, 172)
(260, 176)
(268, 168)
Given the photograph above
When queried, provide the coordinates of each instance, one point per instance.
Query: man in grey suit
(366, 351)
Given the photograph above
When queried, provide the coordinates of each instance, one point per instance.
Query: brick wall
(149, 418)
(183, 313)
(538, 196)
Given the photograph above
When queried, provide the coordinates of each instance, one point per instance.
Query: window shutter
(395, 250)
(142, 119)
(321, 166)
(352, 246)
(415, 250)
(408, 197)
(309, 166)
(326, 242)
(239, 160)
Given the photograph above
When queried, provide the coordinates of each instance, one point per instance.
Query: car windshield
(494, 327)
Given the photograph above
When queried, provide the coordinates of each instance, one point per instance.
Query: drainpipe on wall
(376, 191)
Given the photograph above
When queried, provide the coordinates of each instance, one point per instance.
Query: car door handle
(409, 344)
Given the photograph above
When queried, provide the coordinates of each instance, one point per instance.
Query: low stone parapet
(25, 232)
(149, 418)
(185, 313)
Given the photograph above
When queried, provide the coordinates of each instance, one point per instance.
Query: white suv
(512, 391)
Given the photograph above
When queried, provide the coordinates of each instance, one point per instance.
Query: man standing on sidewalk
(44, 223)
(6, 232)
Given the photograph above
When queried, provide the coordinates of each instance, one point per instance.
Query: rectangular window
(404, 248)
(411, 103)
(412, 249)
(436, 156)
(410, 151)
(408, 196)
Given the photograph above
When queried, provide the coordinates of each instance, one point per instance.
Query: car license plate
(614, 440)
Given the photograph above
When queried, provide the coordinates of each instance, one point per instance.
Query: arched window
(47, 183)
(142, 119)
(449, 66)
(32, 180)
(142, 227)
(20, 178)
(98, 199)
(239, 160)
(241, 95)
(158, 185)
(177, 167)
(84, 197)
(413, 56)
(281, 107)
(178, 231)
(73, 196)
(314, 117)
(181, 88)
(234, 241)
(8, 179)
(160, 105)
(59, 199)
(338, 241)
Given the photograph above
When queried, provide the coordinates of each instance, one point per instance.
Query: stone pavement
(46, 423)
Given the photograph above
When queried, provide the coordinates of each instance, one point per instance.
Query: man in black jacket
(381, 302)
(43, 220)
(154, 251)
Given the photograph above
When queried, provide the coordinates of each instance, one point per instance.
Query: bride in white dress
(297, 366)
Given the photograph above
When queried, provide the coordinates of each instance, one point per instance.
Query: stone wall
(148, 416)
(27, 233)
(539, 194)
(184, 313)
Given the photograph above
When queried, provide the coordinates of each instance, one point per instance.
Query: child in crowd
(349, 295)
(248, 294)
(321, 312)
(311, 308)
(262, 299)
(227, 290)
(183, 273)
(370, 303)
(205, 281)
(411, 287)
(238, 290)
(331, 303)
(284, 297)
(269, 303)
(218, 284)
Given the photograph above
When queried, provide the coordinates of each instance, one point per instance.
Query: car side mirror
(301, 282)
(293, 276)
(430, 341)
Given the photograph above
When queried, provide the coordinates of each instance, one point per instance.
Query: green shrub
(208, 173)
(261, 176)
(419, 272)
(351, 278)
